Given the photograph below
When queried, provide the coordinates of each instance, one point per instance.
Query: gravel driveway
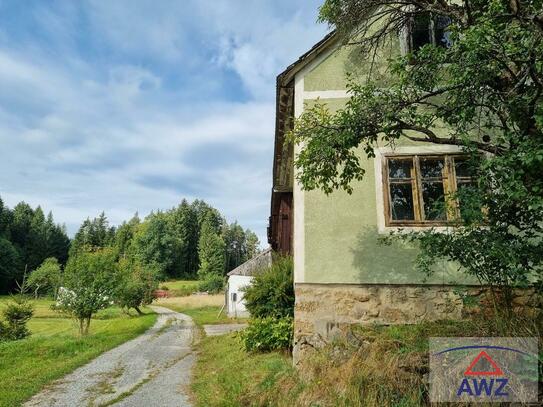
(150, 370)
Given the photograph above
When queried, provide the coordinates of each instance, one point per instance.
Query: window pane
(421, 31)
(465, 196)
(399, 168)
(401, 202)
(431, 167)
(442, 34)
(462, 168)
(434, 201)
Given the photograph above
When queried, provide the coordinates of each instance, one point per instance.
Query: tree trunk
(87, 324)
(138, 310)
(84, 324)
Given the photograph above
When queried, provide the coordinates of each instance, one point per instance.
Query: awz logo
(483, 386)
(495, 370)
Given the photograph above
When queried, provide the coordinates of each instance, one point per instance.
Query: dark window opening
(428, 28)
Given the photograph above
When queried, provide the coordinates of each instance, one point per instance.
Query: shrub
(16, 314)
(211, 283)
(266, 334)
(272, 292)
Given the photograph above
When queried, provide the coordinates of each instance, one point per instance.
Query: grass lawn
(55, 348)
(226, 375)
(180, 288)
(204, 309)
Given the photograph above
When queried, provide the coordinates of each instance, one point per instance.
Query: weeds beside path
(382, 366)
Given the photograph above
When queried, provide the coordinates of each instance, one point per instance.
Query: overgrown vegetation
(271, 293)
(483, 89)
(270, 301)
(55, 349)
(267, 334)
(369, 366)
(211, 283)
(226, 375)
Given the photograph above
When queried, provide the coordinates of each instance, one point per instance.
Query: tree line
(27, 238)
(188, 241)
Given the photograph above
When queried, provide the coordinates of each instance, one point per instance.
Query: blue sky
(132, 105)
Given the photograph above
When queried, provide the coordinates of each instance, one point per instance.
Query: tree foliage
(46, 279)
(485, 90)
(211, 249)
(95, 233)
(271, 293)
(27, 238)
(88, 285)
(17, 313)
(134, 284)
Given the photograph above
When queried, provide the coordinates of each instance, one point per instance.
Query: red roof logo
(483, 355)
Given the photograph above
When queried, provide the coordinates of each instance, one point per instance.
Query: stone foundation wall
(322, 311)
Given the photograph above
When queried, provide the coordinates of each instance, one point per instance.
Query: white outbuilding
(240, 277)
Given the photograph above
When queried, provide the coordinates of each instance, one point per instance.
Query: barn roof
(254, 265)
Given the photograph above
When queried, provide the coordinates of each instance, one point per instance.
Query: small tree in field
(46, 279)
(135, 284)
(88, 285)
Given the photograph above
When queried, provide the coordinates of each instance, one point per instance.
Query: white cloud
(148, 114)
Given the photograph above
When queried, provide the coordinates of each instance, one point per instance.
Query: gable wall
(336, 236)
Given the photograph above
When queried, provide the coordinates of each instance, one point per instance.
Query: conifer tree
(211, 249)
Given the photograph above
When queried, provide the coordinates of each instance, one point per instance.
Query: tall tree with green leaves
(211, 249)
(485, 85)
(183, 222)
(124, 236)
(58, 242)
(155, 245)
(95, 233)
(253, 244)
(203, 211)
(236, 245)
(10, 266)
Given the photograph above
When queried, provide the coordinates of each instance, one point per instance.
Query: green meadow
(55, 347)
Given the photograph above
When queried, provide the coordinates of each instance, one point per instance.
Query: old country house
(343, 275)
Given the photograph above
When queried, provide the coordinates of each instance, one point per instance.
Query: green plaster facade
(340, 231)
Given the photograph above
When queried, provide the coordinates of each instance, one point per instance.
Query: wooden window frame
(449, 188)
(406, 34)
